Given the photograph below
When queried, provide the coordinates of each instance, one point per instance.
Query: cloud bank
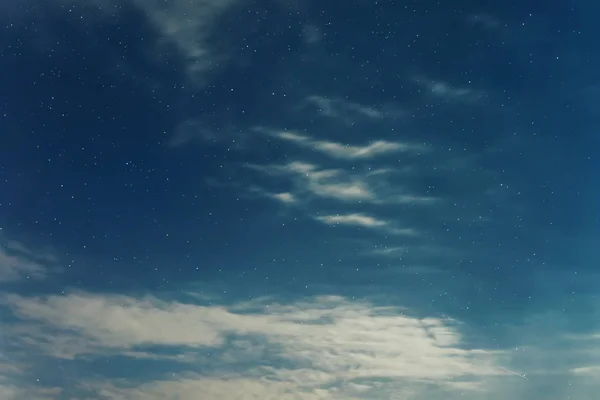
(327, 347)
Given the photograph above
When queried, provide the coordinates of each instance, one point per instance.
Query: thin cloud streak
(282, 197)
(353, 219)
(366, 221)
(349, 152)
(338, 108)
(326, 183)
(446, 91)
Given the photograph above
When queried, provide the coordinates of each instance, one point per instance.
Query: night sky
(299, 200)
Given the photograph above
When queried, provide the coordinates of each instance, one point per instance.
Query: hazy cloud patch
(331, 346)
(448, 92)
(486, 21)
(18, 262)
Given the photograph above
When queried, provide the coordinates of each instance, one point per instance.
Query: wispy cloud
(200, 131)
(324, 346)
(353, 219)
(17, 262)
(348, 151)
(283, 197)
(446, 91)
(342, 185)
(188, 25)
(14, 387)
(36, 254)
(332, 183)
(191, 130)
(366, 221)
(413, 250)
(339, 108)
(591, 371)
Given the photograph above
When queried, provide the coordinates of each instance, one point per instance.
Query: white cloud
(365, 221)
(350, 152)
(413, 250)
(284, 197)
(300, 386)
(376, 147)
(343, 185)
(353, 219)
(189, 387)
(329, 183)
(592, 371)
(320, 348)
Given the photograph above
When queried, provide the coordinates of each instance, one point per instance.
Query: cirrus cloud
(347, 151)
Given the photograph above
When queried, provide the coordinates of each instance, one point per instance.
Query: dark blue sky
(287, 199)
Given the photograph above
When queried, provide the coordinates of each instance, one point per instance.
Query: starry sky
(299, 199)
